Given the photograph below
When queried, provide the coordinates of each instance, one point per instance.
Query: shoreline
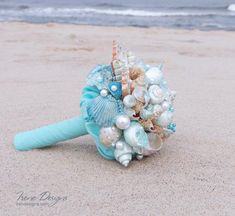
(124, 27)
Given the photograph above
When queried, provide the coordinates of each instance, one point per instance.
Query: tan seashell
(114, 50)
(156, 128)
(147, 124)
(138, 107)
(135, 72)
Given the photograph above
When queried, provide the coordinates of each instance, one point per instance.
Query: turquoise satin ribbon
(65, 130)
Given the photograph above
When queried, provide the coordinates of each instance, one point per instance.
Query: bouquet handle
(51, 134)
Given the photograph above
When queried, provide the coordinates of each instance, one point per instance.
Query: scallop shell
(156, 94)
(103, 110)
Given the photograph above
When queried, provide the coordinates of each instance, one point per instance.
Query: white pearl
(119, 145)
(104, 92)
(123, 122)
(114, 88)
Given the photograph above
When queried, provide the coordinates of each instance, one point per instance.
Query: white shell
(110, 135)
(165, 105)
(145, 114)
(156, 94)
(157, 108)
(135, 135)
(155, 142)
(165, 119)
(140, 93)
(122, 122)
(123, 155)
(129, 101)
(153, 76)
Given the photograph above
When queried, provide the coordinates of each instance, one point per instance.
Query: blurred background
(189, 14)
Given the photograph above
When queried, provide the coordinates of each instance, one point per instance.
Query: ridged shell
(123, 155)
(156, 94)
(103, 110)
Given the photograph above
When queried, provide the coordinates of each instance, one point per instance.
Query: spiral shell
(165, 119)
(123, 153)
(156, 94)
(153, 76)
(129, 101)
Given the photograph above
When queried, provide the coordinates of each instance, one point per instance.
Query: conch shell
(123, 153)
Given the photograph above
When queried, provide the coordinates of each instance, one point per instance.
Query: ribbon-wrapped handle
(51, 134)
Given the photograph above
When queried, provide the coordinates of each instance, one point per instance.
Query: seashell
(146, 114)
(103, 110)
(135, 72)
(165, 119)
(140, 93)
(123, 153)
(129, 101)
(125, 82)
(109, 135)
(165, 105)
(156, 94)
(156, 129)
(131, 113)
(157, 110)
(136, 137)
(153, 76)
(139, 156)
(131, 58)
(115, 89)
(155, 143)
(138, 107)
(147, 124)
(114, 50)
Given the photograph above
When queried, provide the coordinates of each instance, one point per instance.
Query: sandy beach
(43, 68)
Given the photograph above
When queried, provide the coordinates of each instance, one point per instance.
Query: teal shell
(89, 93)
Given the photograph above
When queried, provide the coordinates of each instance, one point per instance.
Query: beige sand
(42, 71)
